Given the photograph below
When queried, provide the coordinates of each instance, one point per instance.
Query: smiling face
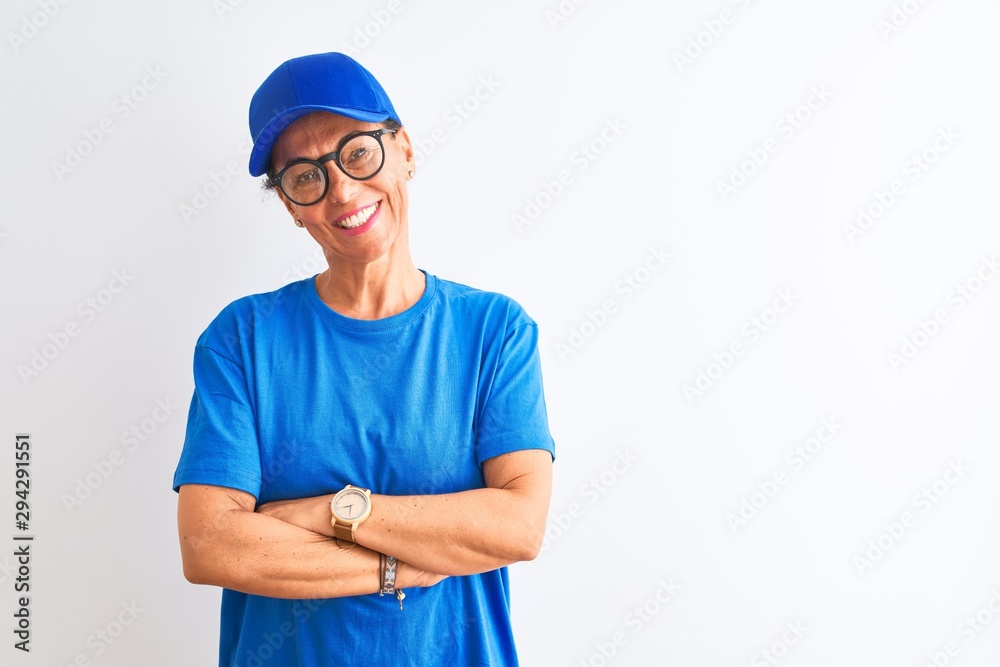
(359, 222)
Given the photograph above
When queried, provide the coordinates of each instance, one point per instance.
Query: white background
(893, 79)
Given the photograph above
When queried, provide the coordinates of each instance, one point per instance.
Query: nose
(342, 188)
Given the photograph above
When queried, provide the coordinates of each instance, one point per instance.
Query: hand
(408, 576)
(309, 513)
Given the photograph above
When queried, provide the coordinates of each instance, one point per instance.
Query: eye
(307, 177)
(357, 155)
(303, 176)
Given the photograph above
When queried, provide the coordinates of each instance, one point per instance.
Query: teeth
(358, 219)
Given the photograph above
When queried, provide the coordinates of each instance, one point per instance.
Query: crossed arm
(285, 548)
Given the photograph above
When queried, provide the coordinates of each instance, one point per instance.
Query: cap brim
(260, 156)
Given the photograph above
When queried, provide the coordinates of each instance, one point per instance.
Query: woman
(371, 434)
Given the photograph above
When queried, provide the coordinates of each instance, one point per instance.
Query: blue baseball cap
(330, 82)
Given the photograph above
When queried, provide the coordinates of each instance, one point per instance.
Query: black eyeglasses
(361, 156)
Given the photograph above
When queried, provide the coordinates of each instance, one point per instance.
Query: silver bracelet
(389, 576)
(389, 581)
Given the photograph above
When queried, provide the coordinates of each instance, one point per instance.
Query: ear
(406, 147)
(289, 206)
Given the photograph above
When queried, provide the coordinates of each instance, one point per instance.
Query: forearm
(455, 534)
(470, 531)
(257, 554)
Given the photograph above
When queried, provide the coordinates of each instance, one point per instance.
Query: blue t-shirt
(295, 400)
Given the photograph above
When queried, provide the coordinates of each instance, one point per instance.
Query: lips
(358, 218)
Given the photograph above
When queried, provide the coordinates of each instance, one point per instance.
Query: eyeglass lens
(360, 158)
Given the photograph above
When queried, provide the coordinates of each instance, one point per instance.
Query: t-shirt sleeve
(513, 413)
(220, 445)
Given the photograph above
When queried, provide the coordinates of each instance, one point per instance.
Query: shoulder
(240, 318)
(478, 305)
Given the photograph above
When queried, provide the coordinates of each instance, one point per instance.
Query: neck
(370, 291)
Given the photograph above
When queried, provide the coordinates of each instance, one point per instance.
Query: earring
(409, 174)
(299, 223)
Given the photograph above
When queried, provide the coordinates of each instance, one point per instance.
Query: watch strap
(343, 531)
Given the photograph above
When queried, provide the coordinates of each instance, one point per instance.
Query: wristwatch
(350, 507)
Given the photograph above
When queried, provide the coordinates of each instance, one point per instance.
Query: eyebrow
(340, 142)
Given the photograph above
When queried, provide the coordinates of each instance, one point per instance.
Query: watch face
(350, 504)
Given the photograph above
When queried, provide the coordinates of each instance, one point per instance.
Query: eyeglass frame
(275, 181)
